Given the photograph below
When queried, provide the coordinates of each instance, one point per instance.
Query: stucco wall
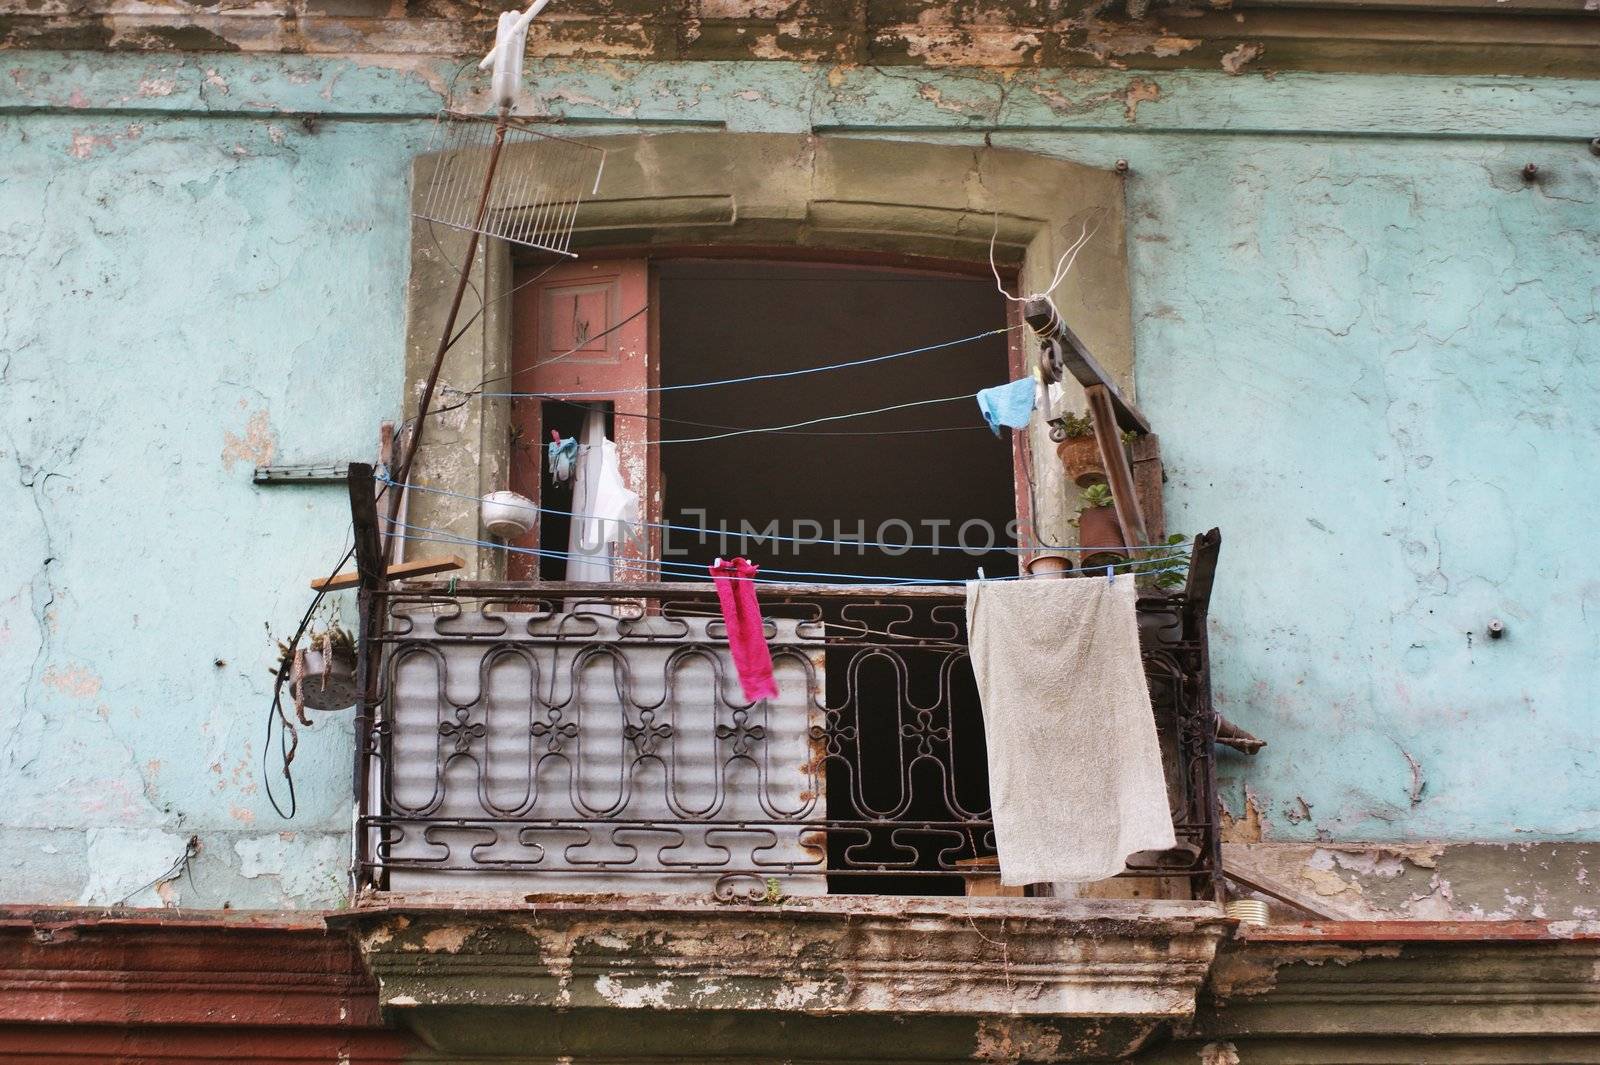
(1367, 344)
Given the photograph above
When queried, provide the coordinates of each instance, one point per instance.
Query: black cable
(286, 749)
(477, 390)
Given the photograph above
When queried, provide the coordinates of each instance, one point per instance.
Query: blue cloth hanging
(1010, 404)
(563, 454)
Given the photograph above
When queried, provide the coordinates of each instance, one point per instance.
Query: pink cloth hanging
(747, 638)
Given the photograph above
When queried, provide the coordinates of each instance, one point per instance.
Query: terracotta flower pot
(1097, 527)
(1080, 457)
(1049, 566)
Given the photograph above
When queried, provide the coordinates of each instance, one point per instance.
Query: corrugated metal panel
(606, 742)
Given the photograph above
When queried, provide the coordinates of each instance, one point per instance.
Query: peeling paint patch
(1016, 1040)
(448, 939)
(1246, 828)
(84, 144)
(309, 869)
(1138, 91)
(655, 995)
(77, 681)
(256, 446)
(125, 864)
(1235, 61)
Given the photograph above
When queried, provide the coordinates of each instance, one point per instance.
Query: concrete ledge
(615, 977)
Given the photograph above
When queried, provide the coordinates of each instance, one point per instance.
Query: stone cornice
(1539, 37)
(155, 968)
(1406, 979)
(1089, 979)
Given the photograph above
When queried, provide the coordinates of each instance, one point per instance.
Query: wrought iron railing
(593, 738)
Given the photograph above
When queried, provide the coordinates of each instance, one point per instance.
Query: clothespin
(981, 577)
(1111, 574)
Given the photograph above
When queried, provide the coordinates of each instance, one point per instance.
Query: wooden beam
(417, 567)
(1119, 474)
(1082, 365)
(1147, 479)
(364, 524)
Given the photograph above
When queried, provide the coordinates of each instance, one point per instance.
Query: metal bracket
(1071, 354)
(303, 474)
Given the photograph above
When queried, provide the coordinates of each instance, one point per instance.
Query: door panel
(582, 330)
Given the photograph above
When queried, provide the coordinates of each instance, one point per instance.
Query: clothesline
(693, 570)
(724, 533)
(866, 361)
(813, 421)
(699, 571)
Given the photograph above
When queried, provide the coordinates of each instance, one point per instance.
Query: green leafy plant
(1095, 496)
(1169, 567)
(1071, 426)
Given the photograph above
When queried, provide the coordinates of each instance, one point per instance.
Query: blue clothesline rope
(702, 531)
(700, 571)
(691, 570)
(867, 361)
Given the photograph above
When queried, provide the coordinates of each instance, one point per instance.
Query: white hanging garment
(609, 509)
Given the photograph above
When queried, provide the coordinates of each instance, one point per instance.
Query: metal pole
(413, 439)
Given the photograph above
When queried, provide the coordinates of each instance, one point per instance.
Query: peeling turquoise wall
(1371, 350)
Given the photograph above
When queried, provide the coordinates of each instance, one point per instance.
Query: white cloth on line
(1075, 775)
(609, 509)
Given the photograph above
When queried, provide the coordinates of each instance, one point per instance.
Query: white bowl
(508, 515)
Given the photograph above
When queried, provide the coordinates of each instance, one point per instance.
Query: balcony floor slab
(656, 978)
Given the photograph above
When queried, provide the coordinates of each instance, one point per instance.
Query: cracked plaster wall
(1370, 356)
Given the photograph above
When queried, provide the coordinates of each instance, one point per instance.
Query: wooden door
(582, 333)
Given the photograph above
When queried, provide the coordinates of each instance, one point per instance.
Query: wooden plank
(1147, 479)
(364, 524)
(1119, 474)
(418, 567)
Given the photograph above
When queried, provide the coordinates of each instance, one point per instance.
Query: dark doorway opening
(923, 473)
(930, 474)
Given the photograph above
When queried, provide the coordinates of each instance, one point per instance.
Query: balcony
(575, 839)
(582, 738)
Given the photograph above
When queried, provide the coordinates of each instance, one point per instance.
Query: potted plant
(1077, 449)
(1097, 526)
(322, 672)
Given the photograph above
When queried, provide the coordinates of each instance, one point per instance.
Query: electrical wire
(288, 737)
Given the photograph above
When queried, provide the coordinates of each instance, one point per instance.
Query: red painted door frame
(584, 332)
(576, 330)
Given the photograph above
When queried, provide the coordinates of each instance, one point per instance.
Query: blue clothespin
(1111, 574)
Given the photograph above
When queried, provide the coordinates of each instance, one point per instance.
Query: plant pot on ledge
(1097, 527)
(1078, 449)
(1080, 458)
(1098, 532)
